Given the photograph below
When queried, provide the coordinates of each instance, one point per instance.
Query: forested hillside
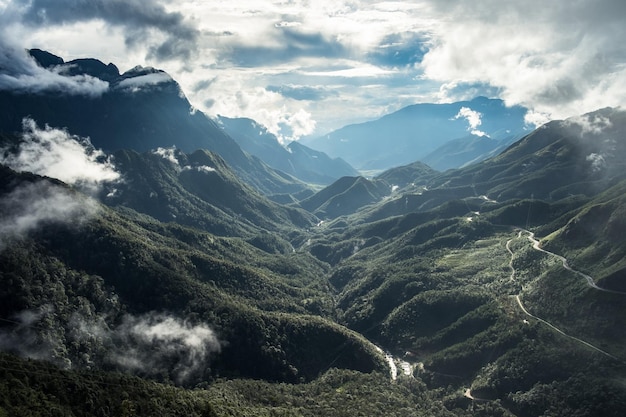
(161, 282)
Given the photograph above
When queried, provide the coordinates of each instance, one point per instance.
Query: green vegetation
(186, 292)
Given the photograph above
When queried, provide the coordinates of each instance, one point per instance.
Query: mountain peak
(81, 66)
(45, 59)
(140, 70)
(93, 67)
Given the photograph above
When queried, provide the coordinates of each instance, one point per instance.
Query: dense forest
(178, 286)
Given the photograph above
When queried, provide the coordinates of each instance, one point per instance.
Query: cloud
(559, 59)
(400, 49)
(155, 343)
(296, 125)
(594, 124)
(200, 168)
(135, 83)
(30, 206)
(286, 121)
(171, 155)
(168, 154)
(473, 119)
(302, 92)
(597, 162)
(359, 71)
(26, 341)
(55, 153)
(138, 17)
(203, 84)
(285, 44)
(20, 73)
(535, 118)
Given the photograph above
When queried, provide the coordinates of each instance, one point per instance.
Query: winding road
(590, 282)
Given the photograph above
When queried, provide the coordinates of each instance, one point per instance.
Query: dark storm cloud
(290, 44)
(302, 92)
(138, 16)
(400, 50)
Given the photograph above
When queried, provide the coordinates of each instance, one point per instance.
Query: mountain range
(295, 159)
(144, 109)
(165, 279)
(417, 132)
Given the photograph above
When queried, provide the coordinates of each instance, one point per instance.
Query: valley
(194, 278)
(535, 245)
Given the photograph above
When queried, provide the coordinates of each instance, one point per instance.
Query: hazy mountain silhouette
(295, 159)
(414, 132)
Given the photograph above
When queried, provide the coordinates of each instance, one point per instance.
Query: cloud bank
(146, 23)
(20, 73)
(301, 68)
(155, 345)
(560, 58)
(57, 154)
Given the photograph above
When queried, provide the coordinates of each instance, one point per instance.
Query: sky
(304, 67)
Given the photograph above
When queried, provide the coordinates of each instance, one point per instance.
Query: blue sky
(307, 67)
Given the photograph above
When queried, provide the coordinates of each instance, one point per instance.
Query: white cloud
(57, 154)
(168, 154)
(200, 168)
(597, 161)
(32, 205)
(589, 124)
(473, 119)
(154, 344)
(136, 83)
(360, 71)
(286, 118)
(558, 58)
(535, 119)
(298, 124)
(19, 72)
(24, 340)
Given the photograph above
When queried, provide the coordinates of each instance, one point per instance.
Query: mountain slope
(467, 150)
(297, 160)
(448, 276)
(413, 132)
(560, 160)
(188, 277)
(115, 270)
(416, 173)
(142, 109)
(198, 190)
(345, 196)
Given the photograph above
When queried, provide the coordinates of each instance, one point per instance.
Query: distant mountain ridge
(460, 152)
(414, 132)
(143, 109)
(295, 159)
